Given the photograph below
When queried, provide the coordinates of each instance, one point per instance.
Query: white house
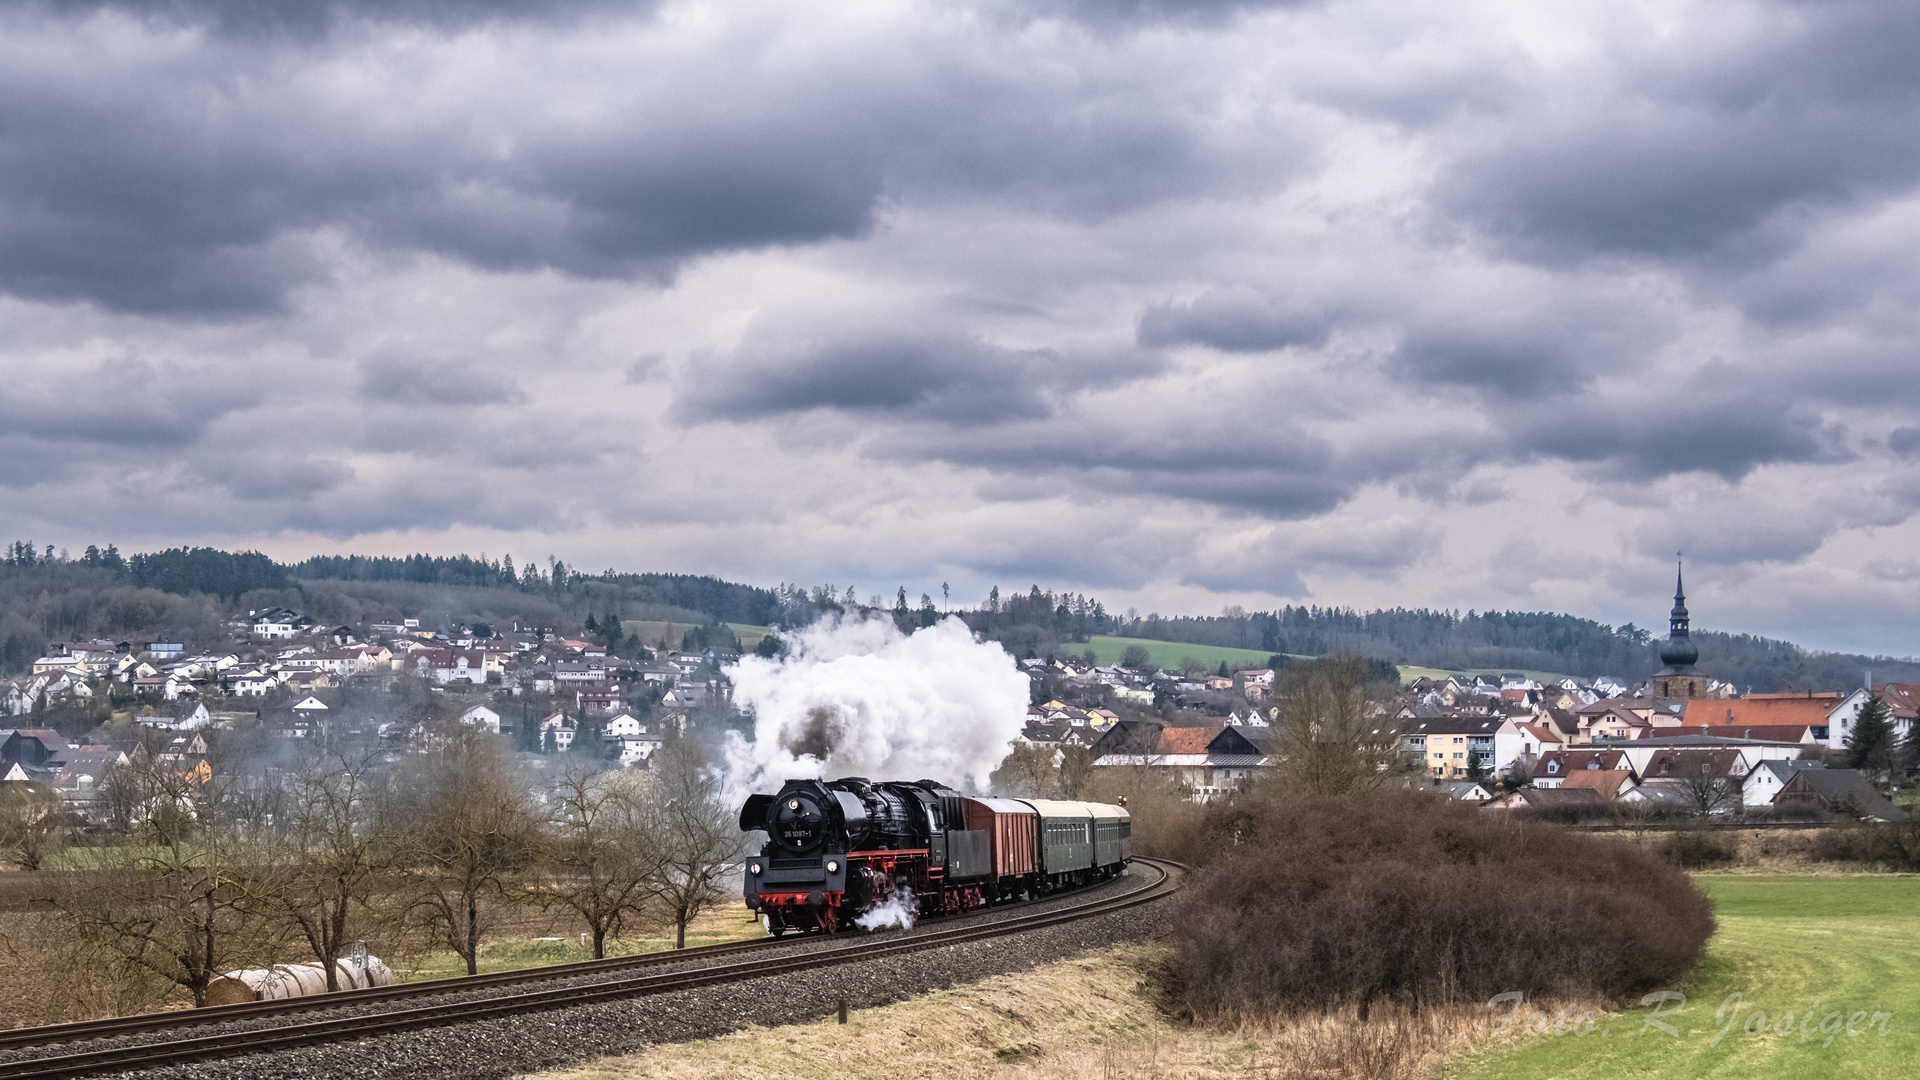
(481, 716)
(1841, 718)
(277, 624)
(635, 750)
(1768, 777)
(192, 717)
(255, 683)
(623, 725)
(558, 728)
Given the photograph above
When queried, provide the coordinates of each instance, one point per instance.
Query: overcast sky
(1454, 303)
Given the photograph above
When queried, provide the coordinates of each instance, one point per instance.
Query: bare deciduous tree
(30, 826)
(468, 834)
(329, 849)
(175, 900)
(1030, 770)
(698, 834)
(600, 855)
(1328, 739)
(1707, 783)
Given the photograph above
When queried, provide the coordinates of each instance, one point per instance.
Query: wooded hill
(188, 593)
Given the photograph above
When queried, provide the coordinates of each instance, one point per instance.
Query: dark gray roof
(1708, 740)
(1838, 785)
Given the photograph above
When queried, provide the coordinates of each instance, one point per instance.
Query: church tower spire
(1678, 679)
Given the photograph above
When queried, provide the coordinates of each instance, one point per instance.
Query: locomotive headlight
(833, 866)
(753, 868)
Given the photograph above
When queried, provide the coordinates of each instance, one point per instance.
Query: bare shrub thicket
(1407, 899)
(1895, 845)
(1167, 823)
(1698, 849)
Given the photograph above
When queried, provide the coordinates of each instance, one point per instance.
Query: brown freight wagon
(1014, 828)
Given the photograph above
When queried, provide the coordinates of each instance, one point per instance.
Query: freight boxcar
(1013, 831)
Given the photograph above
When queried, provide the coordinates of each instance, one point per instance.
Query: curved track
(413, 1010)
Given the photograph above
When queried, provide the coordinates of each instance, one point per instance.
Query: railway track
(409, 1016)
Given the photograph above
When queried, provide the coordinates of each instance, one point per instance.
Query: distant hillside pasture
(1168, 654)
(653, 632)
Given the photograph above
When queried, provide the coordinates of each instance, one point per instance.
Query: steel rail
(247, 1010)
(198, 1048)
(113, 1027)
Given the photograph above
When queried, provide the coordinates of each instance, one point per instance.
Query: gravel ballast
(561, 1036)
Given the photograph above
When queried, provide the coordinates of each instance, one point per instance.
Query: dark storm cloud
(1234, 320)
(313, 18)
(1905, 441)
(1717, 422)
(124, 405)
(1519, 365)
(163, 192)
(276, 477)
(413, 383)
(1529, 346)
(206, 178)
(1698, 143)
(945, 378)
(1261, 468)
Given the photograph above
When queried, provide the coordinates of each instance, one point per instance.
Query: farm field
(1168, 654)
(1791, 946)
(652, 632)
(512, 952)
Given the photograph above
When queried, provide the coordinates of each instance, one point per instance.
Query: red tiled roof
(1760, 711)
(1185, 740)
(1606, 780)
(1903, 697)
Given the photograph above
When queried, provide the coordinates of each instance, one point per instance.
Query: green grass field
(652, 632)
(1829, 961)
(1167, 654)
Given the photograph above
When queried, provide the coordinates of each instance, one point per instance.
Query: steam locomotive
(839, 849)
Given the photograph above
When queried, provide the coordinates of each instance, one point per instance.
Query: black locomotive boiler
(838, 849)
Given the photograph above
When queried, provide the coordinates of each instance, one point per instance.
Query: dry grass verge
(1097, 1016)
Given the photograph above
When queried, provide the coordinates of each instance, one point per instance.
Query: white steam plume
(858, 698)
(899, 910)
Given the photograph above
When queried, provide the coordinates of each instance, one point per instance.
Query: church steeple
(1678, 652)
